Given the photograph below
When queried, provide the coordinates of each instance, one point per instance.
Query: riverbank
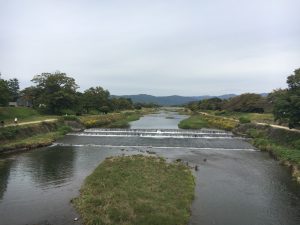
(30, 136)
(137, 190)
(282, 144)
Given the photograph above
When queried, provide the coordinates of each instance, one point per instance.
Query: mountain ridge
(171, 99)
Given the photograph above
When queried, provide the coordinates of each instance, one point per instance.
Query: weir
(155, 133)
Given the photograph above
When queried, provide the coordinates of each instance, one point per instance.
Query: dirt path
(31, 122)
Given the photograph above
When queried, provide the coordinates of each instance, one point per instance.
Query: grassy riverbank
(137, 190)
(112, 120)
(29, 136)
(24, 114)
(198, 121)
(282, 144)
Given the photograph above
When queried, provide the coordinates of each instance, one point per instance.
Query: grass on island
(137, 190)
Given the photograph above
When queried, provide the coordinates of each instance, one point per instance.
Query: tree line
(57, 93)
(283, 103)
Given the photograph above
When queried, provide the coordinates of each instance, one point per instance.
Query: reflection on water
(4, 175)
(49, 167)
(40, 184)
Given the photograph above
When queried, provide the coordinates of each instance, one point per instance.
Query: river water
(235, 184)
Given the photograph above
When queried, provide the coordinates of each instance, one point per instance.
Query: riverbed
(235, 183)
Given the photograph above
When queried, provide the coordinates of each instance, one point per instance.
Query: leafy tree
(95, 98)
(14, 88)
(57, 92)
(248, 102)
(121, 103)
(210, 104)
(193, 106)
(4, 92)
(287, 101)
(31, 94)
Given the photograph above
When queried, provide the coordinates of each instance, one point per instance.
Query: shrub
(70, 118)
(244, 119)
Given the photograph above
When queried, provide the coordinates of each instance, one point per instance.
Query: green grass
(124, 122)
(32, 142)
(35, 140)
(137, 190)
(284, 145)
(9, 113)
(111, 120)
(198, 121)
(254, 117)
(24, 114)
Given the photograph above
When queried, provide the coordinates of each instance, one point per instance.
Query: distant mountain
(170, 100)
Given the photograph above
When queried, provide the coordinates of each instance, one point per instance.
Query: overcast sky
(159, 47)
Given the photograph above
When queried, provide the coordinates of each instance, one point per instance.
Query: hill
(170, 100)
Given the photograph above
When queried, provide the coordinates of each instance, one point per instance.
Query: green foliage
(207, 121)
(111, 120)
(4, 92)
(283, 144)
(71, 118)
(9, 113)
(246, 103)
(57, 92)
(121, 104)
(64, 129)
(95, 98)
(287, 101)
(137, 190)
(244, 120)
(13, 87)
(8, 133)
(210, 104)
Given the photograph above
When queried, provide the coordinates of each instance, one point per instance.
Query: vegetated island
(137, 190)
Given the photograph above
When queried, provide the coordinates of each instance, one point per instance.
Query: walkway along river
(235, 183)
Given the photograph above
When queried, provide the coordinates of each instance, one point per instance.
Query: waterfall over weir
(155, 133)
(156, 138)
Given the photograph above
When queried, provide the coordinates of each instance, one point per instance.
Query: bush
(64, 129)
(244, 119)
(70, 118)
(8, 133)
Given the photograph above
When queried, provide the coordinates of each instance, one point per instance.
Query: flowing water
(235, 184)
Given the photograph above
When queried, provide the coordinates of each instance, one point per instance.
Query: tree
(287, 101)
(4, 92)
(121, 103)
(95, 98)
(14, 88)
(210, 104)
(57, 92)
(31, 95)
(248, 102)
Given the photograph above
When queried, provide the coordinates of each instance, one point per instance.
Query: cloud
(155, 47)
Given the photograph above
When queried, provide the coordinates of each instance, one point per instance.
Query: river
(235, 184)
